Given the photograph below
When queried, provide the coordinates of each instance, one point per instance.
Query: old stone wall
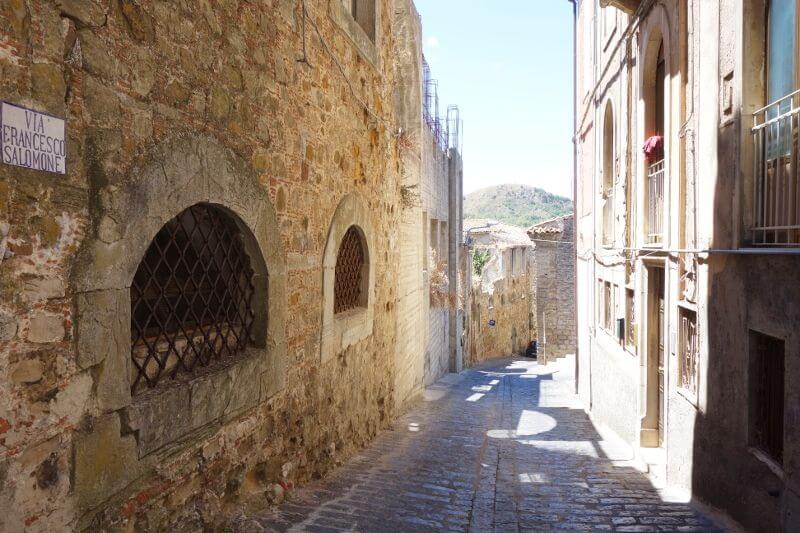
(555, 287)
(429, 209)
(167, 104)
(501, 304)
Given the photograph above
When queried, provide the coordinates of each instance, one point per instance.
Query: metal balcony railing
(776, 195)
(655, 203)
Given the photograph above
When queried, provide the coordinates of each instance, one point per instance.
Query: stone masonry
(555, 287)
(285, 115)
(430, 193)
(501, 300)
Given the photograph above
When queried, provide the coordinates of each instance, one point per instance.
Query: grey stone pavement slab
(503, 447)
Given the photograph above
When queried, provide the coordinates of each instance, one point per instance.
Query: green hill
(519, 205)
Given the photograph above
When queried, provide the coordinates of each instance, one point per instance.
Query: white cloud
(432, 42)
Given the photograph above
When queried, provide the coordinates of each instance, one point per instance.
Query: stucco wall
(714, 57)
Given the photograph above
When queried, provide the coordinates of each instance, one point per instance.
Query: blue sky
(507, 64)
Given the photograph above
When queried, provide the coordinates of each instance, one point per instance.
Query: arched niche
(344, 329)
(179, 173)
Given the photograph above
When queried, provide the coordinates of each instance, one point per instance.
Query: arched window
(657, 139)
(191, 298)
(661, 80)
(348, 281)
(350, 275)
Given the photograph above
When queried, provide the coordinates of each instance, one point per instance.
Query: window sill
(168, 414)
(347, 328)
(365, 46)
(771, 463)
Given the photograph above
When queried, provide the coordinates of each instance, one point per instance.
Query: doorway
(655, 414)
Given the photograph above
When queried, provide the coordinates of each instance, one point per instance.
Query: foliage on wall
(479, 260)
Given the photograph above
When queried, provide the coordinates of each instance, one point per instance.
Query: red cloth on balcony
(654, 148)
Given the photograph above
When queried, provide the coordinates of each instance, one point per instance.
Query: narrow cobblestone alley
(503, 447)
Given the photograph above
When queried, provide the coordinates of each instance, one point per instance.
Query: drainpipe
(575, 177)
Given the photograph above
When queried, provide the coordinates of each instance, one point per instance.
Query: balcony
(776, 195)
(655, 203)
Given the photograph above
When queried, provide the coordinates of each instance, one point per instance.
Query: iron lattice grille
(349, 267)
(767, 389)
(190, 298)
(688, 351)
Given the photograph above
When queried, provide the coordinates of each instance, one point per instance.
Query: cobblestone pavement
(500, 448)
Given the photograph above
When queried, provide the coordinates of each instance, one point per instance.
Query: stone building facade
(205, 308)
(687, 236)
(501, 297)
(430, 229)
(554, 257)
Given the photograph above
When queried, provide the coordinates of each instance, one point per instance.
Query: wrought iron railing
(776, 194)
(655, 203)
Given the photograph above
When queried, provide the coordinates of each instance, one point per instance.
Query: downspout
(575, 179)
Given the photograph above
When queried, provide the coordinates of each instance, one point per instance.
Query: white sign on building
(31, 139)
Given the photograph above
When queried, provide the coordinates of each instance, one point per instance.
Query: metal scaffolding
(446, 130)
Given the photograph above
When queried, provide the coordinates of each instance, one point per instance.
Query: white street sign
(31, 139)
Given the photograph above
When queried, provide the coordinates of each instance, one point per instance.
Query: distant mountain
(519, 205)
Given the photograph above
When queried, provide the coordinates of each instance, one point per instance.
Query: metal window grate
(190, 298)
(629, 340)
(688, 351)
(767, 393)
(608, 313)
(349, 267)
